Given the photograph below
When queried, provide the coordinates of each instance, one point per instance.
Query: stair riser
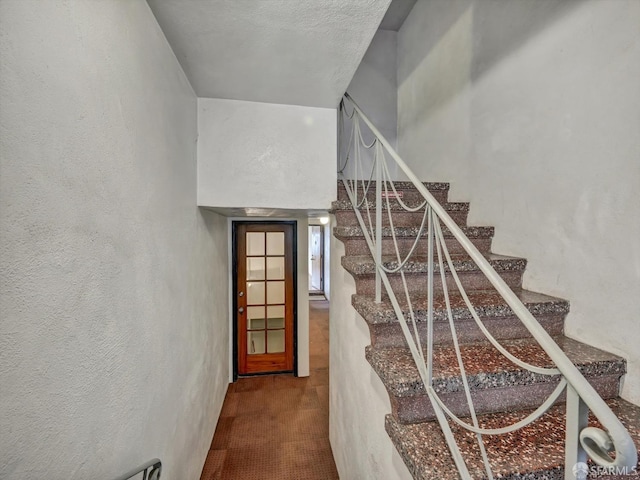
(390, 334)
(418, 408)
(358, 246)
(400, 219)
(417, 282)
(409, 197)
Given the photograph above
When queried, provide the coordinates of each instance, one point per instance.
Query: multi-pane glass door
(264, 297)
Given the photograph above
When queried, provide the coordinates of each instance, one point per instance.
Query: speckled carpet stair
(495, 314)
(502, 392)
(362, 268)
(496, 384)
(535, 452)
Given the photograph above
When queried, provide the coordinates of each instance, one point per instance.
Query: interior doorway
(264, 297)
(316, 259)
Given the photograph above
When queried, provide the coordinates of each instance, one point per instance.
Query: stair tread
(404, 185)
(364, 264)
(348, 232)
(340, 205)
(487, 303)
(536, 451)
(485, 366)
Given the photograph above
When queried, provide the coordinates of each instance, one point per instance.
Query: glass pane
(255, 268)
(255, 342)
(255, 293)
(273, 323)
(275, 268)
(275, 292)
(275, 316)
(255, 243)
(275, 243)
(255, 318)
(275, 341)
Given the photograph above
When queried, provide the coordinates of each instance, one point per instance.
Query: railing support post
(378, 259)
(577, 417)
(430, 265)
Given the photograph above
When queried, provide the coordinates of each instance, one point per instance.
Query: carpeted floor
(277, 427)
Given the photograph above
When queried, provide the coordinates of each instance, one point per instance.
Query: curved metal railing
(612, 447)
(150, 470)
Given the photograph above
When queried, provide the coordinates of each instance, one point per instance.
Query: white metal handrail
(581, 441)
(150, 470)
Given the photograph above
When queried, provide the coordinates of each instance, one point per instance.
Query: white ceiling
(300, 52)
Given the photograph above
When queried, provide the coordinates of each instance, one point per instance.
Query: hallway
(277, 427)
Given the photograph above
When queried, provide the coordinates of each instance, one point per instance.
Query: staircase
(503, 393)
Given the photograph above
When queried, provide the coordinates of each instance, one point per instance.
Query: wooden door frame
(234, 285)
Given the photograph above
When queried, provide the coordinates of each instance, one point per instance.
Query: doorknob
(241, 294)
(241, 310)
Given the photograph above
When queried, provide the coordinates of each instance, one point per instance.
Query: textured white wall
(532, 110)
(303, 297)
(265, 155)
(328, 234)
(374, 85)
(358, 400)
(113, 284)
(375, 90)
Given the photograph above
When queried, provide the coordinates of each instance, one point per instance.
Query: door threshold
(264, 374)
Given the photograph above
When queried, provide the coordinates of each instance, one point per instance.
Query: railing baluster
(577, 417)
(430, 235)
(378, 166)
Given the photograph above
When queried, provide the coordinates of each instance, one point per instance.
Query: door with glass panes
(264, 291)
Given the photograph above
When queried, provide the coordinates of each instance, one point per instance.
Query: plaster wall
(328, 230)
(374, 85)
(374, 89)
(303, 297)
(358, 400)
(113, 284)
(261, 155)
(532, 111)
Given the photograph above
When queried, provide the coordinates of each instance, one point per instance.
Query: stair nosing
(364, 265)
(346, 205)
(355, 232)
(405, 185)
(383, 313)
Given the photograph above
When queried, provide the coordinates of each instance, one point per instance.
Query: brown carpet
(277, 427)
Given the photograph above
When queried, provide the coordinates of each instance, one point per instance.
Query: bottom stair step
(534, 452)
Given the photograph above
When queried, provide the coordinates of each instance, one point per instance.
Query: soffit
(300, 52)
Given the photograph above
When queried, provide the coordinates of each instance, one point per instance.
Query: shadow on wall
(482, 32)
(209, 220)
